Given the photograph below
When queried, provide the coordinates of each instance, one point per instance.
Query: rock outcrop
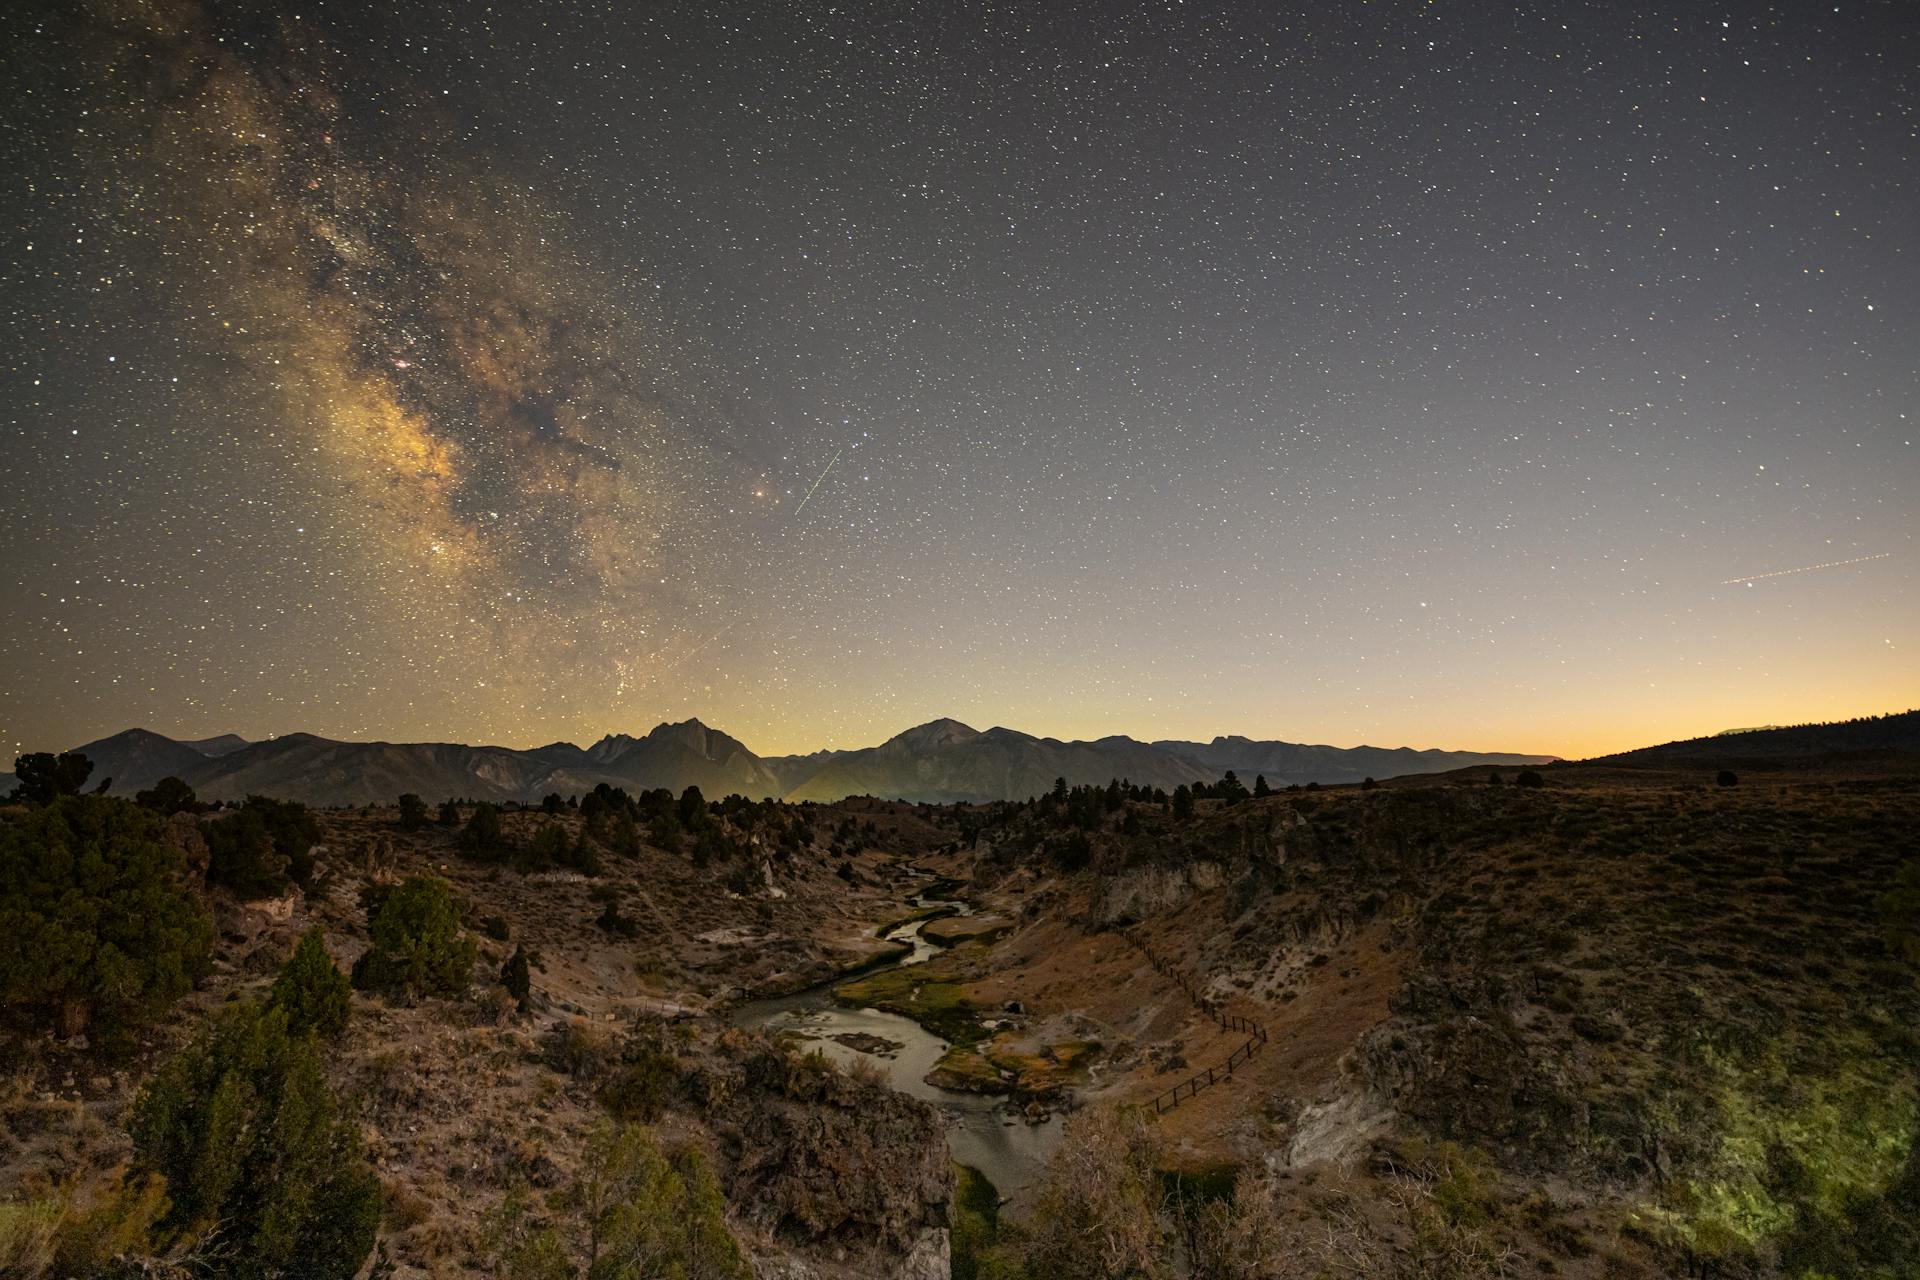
(813, 1154)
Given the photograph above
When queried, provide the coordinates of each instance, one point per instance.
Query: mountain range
(941, 761)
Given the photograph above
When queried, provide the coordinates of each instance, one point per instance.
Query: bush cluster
(418, 948)
(97, 922)
(254, 1147)
(257, 849)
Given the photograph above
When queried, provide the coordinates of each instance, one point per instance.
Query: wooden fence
(1206, 1079)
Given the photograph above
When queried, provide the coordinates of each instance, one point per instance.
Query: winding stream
(982, 1131)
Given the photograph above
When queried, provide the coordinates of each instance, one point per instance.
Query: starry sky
(1512, 377)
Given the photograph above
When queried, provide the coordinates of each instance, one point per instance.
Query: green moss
(916, 992)
(974, 1218)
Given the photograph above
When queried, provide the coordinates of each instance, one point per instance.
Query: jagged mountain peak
(704, 741)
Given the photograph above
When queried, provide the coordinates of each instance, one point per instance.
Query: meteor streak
(1781, 573)
(817, 479)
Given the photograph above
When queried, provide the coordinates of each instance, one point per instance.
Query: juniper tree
(314, 994)
(254, 1145)
(96, 920)
(418, 948)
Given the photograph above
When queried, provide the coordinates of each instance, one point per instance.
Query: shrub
(549, 848)
(293, 830)
(1726, 778)
(417, 945)
(1094, 1213)
(522, 1250)
(96, 920)
(168, 797)
(241, 856)
(482, 839)
(413, 812)
(613, 922)
(315, 995)
(1072, 852)
(449, 814)
(257, 848)
(1529, 778)
(581, 857)
(665, 831)
(76, 1230)
(517, 976)
(622, 836)
(639, 1090)
(647, 1215)
(252, 1143)
(1368, 784)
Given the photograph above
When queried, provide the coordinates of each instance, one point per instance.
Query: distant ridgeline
(943, 761)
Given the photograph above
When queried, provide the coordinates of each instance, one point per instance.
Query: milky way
(1425, 375)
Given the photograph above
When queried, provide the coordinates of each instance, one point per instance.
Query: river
(982, 1131)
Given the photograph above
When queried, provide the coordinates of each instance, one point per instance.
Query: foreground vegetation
(1633, 1024)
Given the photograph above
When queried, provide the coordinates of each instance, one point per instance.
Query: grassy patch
(920, 993)
(975, 1221)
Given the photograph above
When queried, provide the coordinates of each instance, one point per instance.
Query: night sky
(1416, 374)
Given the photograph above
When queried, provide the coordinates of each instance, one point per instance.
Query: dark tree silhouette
(168, 797)
(45, 777)
(413, 812)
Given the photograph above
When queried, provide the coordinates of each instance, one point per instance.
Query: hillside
(1647, 1028)
(1840, 744)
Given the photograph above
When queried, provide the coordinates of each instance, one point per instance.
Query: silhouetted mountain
(942, 760)
(794, 770)
(135, 759)
(225, 744)
(677, 756)
(947, 761)
(1283, 763)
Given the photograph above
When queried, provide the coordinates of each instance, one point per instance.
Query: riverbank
(908, 1041)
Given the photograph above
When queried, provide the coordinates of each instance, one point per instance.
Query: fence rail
(1207, 1078)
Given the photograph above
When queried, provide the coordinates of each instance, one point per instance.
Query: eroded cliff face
(1144, 892)
(1661, 1017)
